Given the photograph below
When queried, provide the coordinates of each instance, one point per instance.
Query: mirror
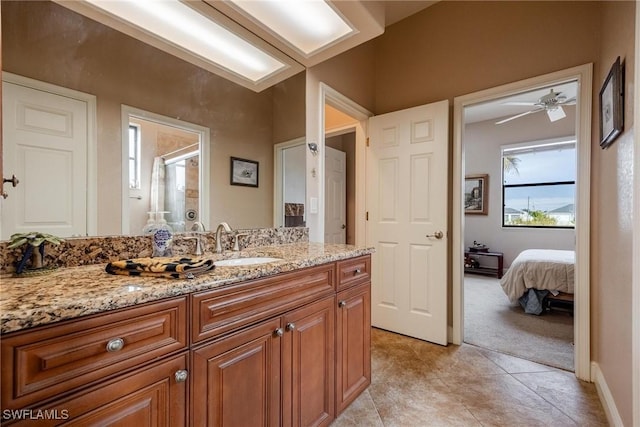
(47, 42)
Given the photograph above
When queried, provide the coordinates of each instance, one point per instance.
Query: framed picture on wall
(611, 106)
(476, 194)
(244, 172)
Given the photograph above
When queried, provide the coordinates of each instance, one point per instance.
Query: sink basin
(240, 262)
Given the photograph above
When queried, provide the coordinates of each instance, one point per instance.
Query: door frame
(92, 137)
(583, 74)
(205, 160)
(332, 97)
(278, 170)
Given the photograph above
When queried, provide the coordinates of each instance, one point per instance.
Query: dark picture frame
(476, 194)
(244, 172)
(611, 106)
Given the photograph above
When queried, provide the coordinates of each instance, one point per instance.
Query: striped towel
(175, 268)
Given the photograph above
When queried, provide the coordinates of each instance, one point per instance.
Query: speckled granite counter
(77, 291)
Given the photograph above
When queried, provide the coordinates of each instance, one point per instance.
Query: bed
(541, 269)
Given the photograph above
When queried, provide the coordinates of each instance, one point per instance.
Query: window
(539, 181)
(134, 157)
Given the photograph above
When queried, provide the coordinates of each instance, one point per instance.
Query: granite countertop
(67, 293)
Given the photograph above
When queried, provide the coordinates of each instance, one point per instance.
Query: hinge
(367, 215)
(367, 141)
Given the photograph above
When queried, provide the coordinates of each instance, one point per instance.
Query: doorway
(583, 76)
(165, 172)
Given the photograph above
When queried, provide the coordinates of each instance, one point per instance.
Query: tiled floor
(415, 383)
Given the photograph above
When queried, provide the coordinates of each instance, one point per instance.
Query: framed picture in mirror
(244, 172)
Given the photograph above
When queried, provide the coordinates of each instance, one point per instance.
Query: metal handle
(357, 271)
(342, 304)
(291, 326)
(14, 181)
(181, 375)
(278, 332)
(115, 344)
(438, 235)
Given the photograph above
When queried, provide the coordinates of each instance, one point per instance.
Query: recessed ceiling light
(184, 27)
(308, 25)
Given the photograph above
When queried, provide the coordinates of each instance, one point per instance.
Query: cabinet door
(353, 343)
(236, 380)
(308, 360)
(154, 396)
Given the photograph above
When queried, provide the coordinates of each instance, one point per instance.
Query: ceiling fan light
(556, 113)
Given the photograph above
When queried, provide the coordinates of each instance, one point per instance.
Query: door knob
(438, 235)
(14, 181)
(343, 226)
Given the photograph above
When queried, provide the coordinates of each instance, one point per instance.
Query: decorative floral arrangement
(34, 251)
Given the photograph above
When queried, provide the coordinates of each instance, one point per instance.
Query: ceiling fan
(551, 103)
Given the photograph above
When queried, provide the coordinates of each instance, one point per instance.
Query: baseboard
(606, 398)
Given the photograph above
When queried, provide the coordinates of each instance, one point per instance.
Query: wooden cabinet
(154, 396)
(353, 344)
(308, 365)
(48, 362)
(275, 351)
(236, 379)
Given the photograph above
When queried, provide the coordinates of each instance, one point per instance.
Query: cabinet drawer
(222, 310)
(50, 361)
(354, 271)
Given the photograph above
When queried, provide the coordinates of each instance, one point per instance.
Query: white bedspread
(539, 269)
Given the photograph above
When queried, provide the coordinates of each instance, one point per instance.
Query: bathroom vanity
(282, 343)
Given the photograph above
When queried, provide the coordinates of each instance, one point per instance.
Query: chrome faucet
(221, 226)
(198, 230)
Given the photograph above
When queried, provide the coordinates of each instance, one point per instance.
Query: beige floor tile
(513, 365)
(416, 384)
(578, 399)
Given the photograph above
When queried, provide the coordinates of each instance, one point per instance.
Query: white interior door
(407, 176)
(335, 190)
(45, 146)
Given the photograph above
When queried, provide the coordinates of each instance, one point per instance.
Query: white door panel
(45, 146)
(335, 216)
(407, 175)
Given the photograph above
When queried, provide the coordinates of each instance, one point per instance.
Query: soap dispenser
(150, 226)
(162, 237)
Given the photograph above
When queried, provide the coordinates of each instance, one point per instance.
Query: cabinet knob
(181, 375)
(357, 271)
(278, 332)
(115, 344)
(291, 326)
(342, 303)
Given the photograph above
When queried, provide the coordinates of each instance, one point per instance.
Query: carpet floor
(492, 322)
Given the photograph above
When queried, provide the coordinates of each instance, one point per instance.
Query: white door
(407, 176)
(335, 190)
(45, 147)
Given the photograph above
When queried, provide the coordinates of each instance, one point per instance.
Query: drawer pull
(278, 332)
(342, 304)
(115, 344)
(357, 271)
(181, 375)
(291, 326)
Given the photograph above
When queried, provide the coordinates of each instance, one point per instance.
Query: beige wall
(455, 48)
(612, 215)
(92, 58)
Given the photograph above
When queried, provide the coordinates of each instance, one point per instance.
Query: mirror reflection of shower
(164, 175)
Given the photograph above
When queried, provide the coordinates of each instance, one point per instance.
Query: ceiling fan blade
(531, 104)
(570, 101)
(518, 116)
